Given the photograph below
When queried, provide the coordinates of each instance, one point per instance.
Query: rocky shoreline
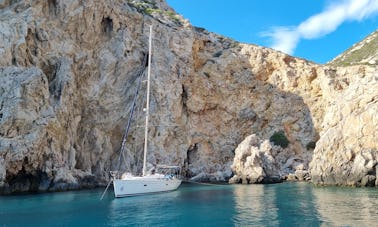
(67, 78)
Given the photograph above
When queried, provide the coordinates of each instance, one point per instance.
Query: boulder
(259, 161)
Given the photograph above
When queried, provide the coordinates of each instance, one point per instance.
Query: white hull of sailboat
(144, 185)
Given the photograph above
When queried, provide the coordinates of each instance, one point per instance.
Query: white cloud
(286, 38)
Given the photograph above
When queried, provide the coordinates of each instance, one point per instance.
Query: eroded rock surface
(68, 72)
(259, 161)
(347, 152)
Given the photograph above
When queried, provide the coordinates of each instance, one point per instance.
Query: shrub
(279, 139)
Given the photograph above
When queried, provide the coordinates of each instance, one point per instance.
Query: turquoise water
(288, 204)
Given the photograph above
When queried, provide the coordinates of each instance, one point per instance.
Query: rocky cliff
(68, 75)
(346, 153)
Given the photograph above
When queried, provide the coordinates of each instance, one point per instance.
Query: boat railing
(169, 171)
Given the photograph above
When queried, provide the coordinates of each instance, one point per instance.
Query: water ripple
(288, 204)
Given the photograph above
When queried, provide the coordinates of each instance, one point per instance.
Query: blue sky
(317, 30)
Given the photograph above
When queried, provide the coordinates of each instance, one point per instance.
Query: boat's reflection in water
(144, 210)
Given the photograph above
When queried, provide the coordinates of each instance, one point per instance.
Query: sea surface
(286, 204)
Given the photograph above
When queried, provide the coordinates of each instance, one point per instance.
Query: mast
(147, 103)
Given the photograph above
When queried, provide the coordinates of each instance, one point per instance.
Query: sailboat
(128, 185)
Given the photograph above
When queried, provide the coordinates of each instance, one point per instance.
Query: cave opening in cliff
(191, 156)
(27, 181)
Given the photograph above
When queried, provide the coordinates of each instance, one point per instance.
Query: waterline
(287, 204)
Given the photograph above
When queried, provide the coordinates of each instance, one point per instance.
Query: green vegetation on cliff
(364, 52)
(279, 139)
(150, 8)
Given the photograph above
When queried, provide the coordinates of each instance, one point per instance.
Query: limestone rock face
(347, 152)
(236, 90)
(69, 71)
